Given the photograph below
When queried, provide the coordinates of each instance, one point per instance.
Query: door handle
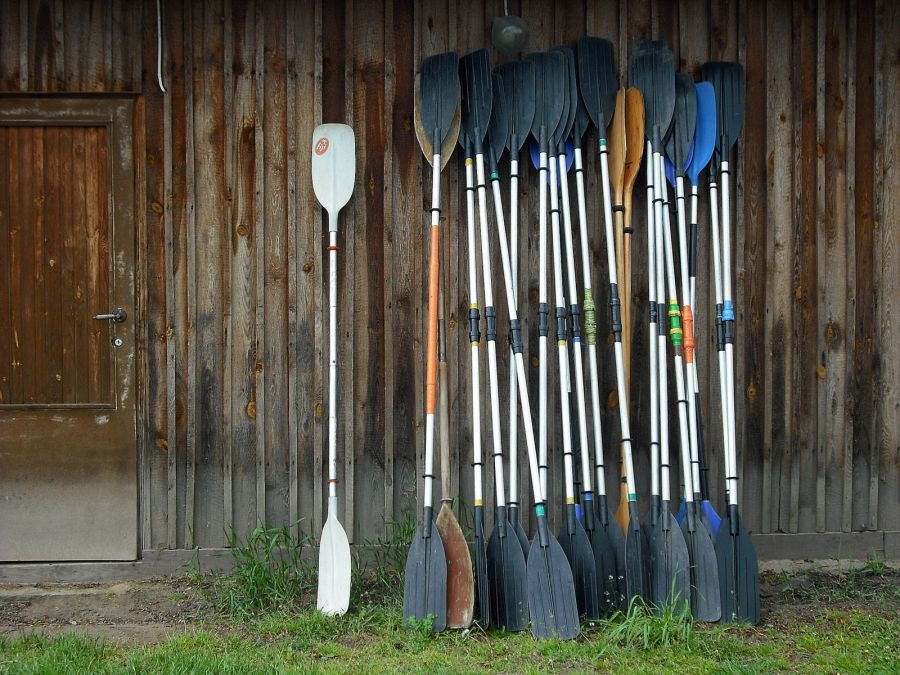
(118, 315)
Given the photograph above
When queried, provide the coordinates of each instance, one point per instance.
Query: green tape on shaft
(675, 324)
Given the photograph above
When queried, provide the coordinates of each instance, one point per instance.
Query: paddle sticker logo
(322, 146)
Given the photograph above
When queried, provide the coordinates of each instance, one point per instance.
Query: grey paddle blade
(607, 570)
(518, 530)
(636, 560)
(617, 539)
(506, 568)
(652, 70)
(425, 582)
(669, 562)
(727, 79)
(577, 547)
(705, 134)
(439, 95)
(551, 589)
(422, 135)
(738, 571)
(549, 71)
(704, 571)
(477, 96)
(597, 80)
(570, 96)
(518, 94)
(582, 121)
(684, 123)
(498, 127)
(482, 584)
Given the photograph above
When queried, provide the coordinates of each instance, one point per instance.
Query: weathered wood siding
(231, 258)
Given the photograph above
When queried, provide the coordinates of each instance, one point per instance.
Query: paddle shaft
(660, 214)
(332, 361)
(543, 322)
(513, 393)
(431, 341)
(653, 339)
(728, 326)
(443, 402)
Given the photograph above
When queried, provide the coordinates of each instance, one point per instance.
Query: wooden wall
(232, 304)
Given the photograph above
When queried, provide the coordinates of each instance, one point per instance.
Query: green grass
(267, 623)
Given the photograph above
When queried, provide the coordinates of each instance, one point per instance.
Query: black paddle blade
(518, 94)
(684, 123)
(498, 128)
(637, 583)
(549, 74)
(570, 94)
(652, 70)
(425, 582)
(669, 562)
(597, 80)
(738, 571)
(477, 89)
(607, 570)
(439, 95)
(582, 121)
(608, 527)
(704, 572)
(518, 530)
(575, 544)
(551, 589)
(482, 583)
(727, 79)
(506, 569)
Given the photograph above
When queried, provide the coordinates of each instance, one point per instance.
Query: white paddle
(333, 174)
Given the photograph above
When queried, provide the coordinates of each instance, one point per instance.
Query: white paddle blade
(333, 165)
(334, 568)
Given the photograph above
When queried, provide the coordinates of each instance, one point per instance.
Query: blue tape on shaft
(727, 311)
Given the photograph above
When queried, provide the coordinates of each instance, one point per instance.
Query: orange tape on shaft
(431, 344)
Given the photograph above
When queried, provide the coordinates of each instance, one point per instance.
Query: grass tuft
(646, 628)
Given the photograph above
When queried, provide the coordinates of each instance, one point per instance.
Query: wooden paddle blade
(727, 79)
(519, 531)
(549, 71)
(634, 135)
(482, 580)
(684, 124)
(668, 563)
(333, 165)
(575, 544)
(507, 572)
(597, 79)
(518, 92)
(425, 581)
(460, 581)
(738, 571)
(705, 134)
(333, 596)
(498, 127)
(618, 148)
(551, 589)
(439, 95)
(422, 135)
(652, 70)
(477, 95)
(570, 95)
(623, 514)
(705, 596)
(636, 559)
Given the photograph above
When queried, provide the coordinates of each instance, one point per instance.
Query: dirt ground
(130, 613)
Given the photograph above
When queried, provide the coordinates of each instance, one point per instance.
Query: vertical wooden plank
(865, 392)
(309, 394)
(749, 228)
(227, 256)
(36, 371)
(886, 265)
(366, 270)
(804, 280)
(85, 48)
(6, 226)
(260, 268)
(54, 207)
(157, 284)
(777, 451)
(21, 253)
(190, 281)
(44, 56)
(128, 29)
(10, 38)
(832, 243)
(243, 240)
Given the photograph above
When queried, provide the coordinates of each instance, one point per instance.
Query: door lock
(118, 315)
(118, 342)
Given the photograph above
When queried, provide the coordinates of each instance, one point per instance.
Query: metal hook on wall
(159, 46)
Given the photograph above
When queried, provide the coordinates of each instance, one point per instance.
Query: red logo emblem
(322, 146)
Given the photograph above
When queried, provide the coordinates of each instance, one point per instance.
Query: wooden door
(68, 457)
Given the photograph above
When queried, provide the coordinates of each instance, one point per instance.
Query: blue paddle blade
(535, 155)
(705, 135)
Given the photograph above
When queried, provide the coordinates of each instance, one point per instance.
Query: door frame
(122, 115)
